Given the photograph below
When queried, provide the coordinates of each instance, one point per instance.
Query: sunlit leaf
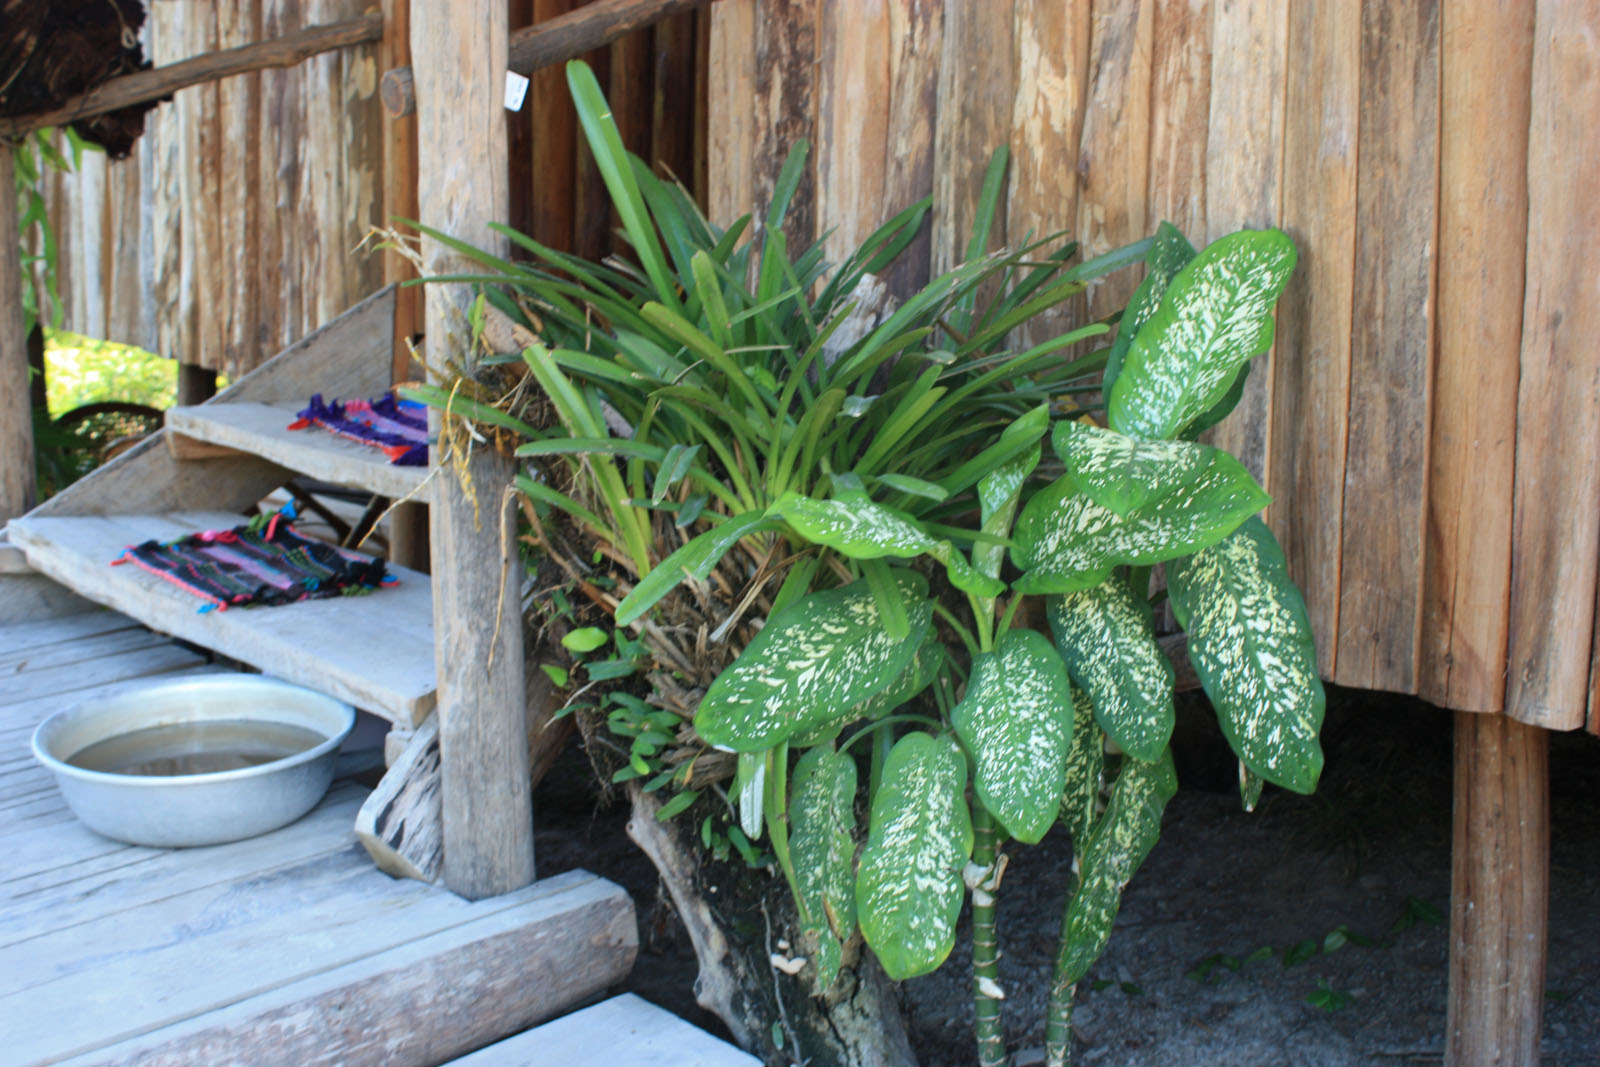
(1122, 473)
(908, 888)
(810, 665)
(822, 814)
(1016, 721)
(1216, 314)
(918, 674)
(1108, 641)
(1064, 541)
(1168, 255)
(1116, 847)
(1250, 642)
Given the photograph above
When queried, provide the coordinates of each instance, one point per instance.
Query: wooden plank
(263, 430)
(239, 218)
(1499, 891)
(461, 149)
(1052, 69)
(400, 824)
(18, 720)
(64, 653)
(120, 879)
(137, 663)
(916, 36)
(595, 25)
(1311, 375)
(623, 1030)
(1180, 113)
(1485, 69)
(399, 146)
(1244, 164)
(17, 489)
(429, 997)
(554, 146)
(973, 120)
(389, 670)
(1114, 147)
(21, 636)
(1557, 518)
(33, 597)
(786, 51)
(730, 110)
(674, 72)
(1392, 343)
(852, 132)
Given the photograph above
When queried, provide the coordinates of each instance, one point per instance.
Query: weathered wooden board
(973, 120)
(625, 1031)
(49, 681)
(263, 430)
(1393, 334)
(374, 651)
(401, 823)
(21, 636)
(1557, 518)
(731, 118)
(349, 355)
(1485, 69)
(131, 637)
(1180, 111)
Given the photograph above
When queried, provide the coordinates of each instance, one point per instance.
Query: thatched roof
(52, 50)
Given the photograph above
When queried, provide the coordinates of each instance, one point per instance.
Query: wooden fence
(1429, 420)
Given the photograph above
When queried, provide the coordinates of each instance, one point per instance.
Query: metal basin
(170, 810)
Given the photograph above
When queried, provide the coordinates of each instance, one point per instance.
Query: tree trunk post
(18, 492)
(1500, 892)
(458, 50)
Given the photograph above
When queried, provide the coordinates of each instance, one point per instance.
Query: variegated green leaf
(857, 527)
(1216, 315)
(1064, 541)
(1250, 784)
(1117, 846)
(1108, 641)
(1086, 762)
(1168, 255)
(822, 814)
(908, 887)
(1016, 722)
(697, 558)
(810, 665)
(1122, 473)
(917, 676)
(1250, 642)
(750, 793)
(999, 492)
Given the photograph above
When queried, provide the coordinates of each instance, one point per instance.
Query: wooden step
(262, 429)
(374, 651)
(624, 1031)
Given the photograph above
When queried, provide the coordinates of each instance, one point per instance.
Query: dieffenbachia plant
(981, 730)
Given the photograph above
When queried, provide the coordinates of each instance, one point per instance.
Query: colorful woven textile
(398, 427)
(262, 562)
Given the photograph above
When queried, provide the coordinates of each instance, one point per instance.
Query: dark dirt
(1367, 857)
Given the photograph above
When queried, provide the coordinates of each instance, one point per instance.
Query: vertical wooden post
(17, 488)
(458, 50)
(1500, 894)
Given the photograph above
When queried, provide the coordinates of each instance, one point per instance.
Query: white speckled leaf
(917, 676)
(908, 887)
(1108, 641)
(1122, 473)
(822, 814)
(1086, 762)
(1016, 721)
(1117, 846)
(999, 492)
(1216, 315)
(696, 558)
(1250, 642)
(1166, 257)
(810, 665)
(1065, 542)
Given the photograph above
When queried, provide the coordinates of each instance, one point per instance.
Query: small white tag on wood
(516, 90)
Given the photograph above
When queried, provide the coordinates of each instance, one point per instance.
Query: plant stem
(985, 946)
(1058, 1013)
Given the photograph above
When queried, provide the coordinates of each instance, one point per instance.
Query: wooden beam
(457, 50)
(17, 488)
(147, 85)
(1500, 892)
(554, 41)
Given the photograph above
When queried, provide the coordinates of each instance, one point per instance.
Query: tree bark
(735, 917)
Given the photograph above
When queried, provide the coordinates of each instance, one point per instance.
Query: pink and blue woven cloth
(398, 427)
(264, 561)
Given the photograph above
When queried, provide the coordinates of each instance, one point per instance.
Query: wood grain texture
(1499, 892)
(1485, 69)
(1244, 161)
(730, 110)
(399, 193)
(401, 823)
(625, 1029)
(973, 120)
(853, 97)
(1051, 53)
(17, 489)
(1180, 109)
(1311, 374)
(1393, 335)
(593, 25)
(457, 52)
(1557, 518)
(916, 36)
(553, 145)
(1114, 149)
(786, 50)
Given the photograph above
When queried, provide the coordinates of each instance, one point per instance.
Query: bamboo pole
(147, 85)
(17, 488)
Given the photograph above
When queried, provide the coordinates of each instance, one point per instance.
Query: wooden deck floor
(288, 948)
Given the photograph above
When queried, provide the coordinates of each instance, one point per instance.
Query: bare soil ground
(1222, 952)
